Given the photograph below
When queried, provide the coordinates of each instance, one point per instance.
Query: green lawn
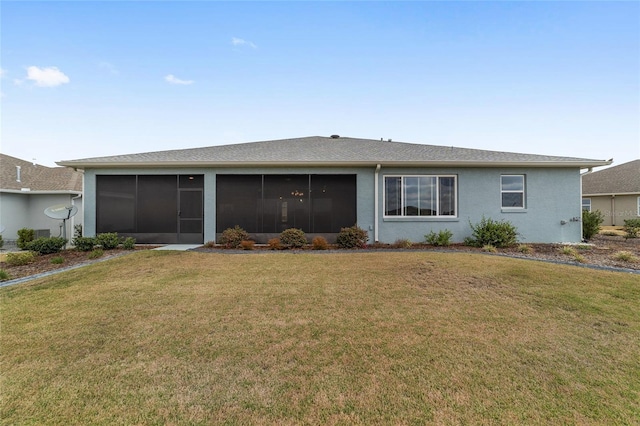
(350, 338)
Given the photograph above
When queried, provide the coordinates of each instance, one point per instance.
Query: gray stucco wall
(27, 211)
(552, 196)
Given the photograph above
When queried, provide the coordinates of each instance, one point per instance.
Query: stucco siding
(552, 200)
(615, 209)
(552, 196)
(27, 211)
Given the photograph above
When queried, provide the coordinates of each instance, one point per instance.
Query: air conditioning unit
(40, 233)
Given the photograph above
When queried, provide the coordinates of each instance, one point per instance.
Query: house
(320, 184)
(27, 189)
(614, 191)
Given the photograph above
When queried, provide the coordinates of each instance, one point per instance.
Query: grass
(357, 338)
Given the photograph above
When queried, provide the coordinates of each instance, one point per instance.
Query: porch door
(190, 216)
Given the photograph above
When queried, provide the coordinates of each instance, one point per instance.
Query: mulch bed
(600, 251)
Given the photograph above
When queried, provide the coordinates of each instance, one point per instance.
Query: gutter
(226, 164)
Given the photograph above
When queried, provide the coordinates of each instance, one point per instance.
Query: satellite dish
(61, 211)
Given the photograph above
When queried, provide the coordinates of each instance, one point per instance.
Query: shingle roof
(317, 150)
(620, 179)
(37, 177)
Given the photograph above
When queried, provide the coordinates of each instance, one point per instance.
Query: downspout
(613, 210)
(375, 207)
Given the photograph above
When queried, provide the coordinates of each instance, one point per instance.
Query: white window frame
(523, 192)
(638, 206)
(402, 197)
(583, 204)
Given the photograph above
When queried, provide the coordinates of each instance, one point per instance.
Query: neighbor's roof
(37, 178)
(621, 179)
(324, 151)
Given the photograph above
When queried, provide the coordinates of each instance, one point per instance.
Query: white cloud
(174, 80)
(46, 77)
(241, 42)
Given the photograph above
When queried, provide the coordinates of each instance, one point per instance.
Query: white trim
(523, 192)
(376, 208)
(402, 197)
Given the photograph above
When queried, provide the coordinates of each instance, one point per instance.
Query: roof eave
(226, 164)
(41, 192)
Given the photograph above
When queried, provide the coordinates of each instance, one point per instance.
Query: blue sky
(87, 79)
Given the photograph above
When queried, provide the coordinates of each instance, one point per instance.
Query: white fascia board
(34, 192)
(228, 164)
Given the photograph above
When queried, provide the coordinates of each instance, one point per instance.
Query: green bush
(58, 260)
(96, 253)
(319, 243)
(108, 240)
(25, 236)
(84, 243)
(293, 238)
(353, 237)
(442, 238)
(129, 243)
(77, 231)
(631, 228)
(1, 241)
(18, 258)
(591, 221)
(4, 275)
(47, 245)
(496, 233)
(233, 237)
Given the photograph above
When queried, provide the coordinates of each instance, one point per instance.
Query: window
(410, 196)
(512, 191)
(638, 206)
(586, 204)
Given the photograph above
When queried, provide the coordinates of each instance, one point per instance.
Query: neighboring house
(27, 189)
(321, 184)
(614, 191)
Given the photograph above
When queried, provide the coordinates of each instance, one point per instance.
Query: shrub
(20, 258)
(1, 241)
(210, 244)
(247, 244)
(402, 243)
(497, 233)
(46, 245)
(4, 275)
(25, 236)
(625, 256)
(274, 244)
(84, 243)
(319, 243)
(568, 250)
(489, 248)
(631, 228)
(129, 243)
(293, 238)
(58, 260)
(523, 248)
(442, 238)
(233, 237)
(77, 231)
(108, 240)
(353, 237)
(591, 221)
(96, 253)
